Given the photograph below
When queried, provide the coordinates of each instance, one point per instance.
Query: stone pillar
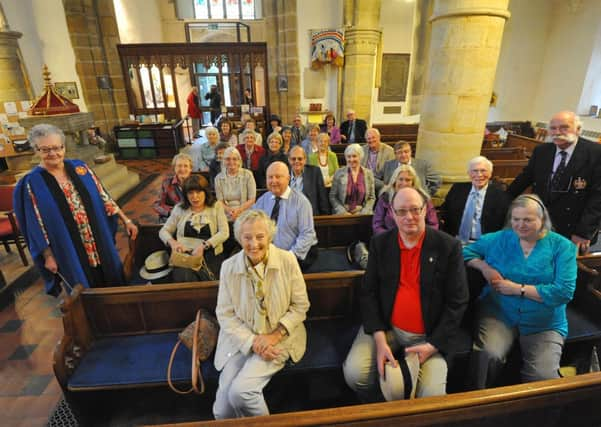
(464, 51)
(282, 57)
(422, 30)
(13, 82)
(362, 39)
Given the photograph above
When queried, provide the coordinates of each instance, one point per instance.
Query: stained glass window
(224, 9)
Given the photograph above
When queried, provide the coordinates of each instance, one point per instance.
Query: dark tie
(555, 182)
(275, 212)
(351, 132)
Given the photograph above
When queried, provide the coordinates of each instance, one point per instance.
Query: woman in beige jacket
(261, 306)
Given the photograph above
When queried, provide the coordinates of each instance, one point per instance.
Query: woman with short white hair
(353, 189)
(257, 334)
(235, 187)
(206, 152)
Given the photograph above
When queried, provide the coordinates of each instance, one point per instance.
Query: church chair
(9, 230)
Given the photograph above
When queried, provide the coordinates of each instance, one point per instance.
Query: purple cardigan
(383, 219)
(334, 134)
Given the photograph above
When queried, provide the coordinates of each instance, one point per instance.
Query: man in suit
(375, 156)
(308, 180)
(413, 296)
(352, 129)
(425, 171)
(299, 131)
(475, 208)
(566, 175)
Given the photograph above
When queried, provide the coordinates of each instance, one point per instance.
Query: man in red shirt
(413, 298)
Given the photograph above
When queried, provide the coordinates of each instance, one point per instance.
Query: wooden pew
(551, 402)
(504, 153)
(519, 128)
(529, 144)
(507, 170)
(396, 132)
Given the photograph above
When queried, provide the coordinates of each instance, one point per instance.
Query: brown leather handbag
(199, 336)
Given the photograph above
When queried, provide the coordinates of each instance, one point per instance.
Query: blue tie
(469, 215)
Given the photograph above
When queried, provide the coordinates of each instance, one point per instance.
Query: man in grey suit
(426, 173)
(375, 156)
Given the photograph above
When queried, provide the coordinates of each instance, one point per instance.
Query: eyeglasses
(296, 159)
(48, 150)
(411, 211)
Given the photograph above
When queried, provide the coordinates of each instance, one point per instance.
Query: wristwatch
(522, 291)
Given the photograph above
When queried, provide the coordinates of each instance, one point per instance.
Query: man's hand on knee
(383, 352)
(424, 351)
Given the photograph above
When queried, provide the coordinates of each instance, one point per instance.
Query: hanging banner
(327, 47)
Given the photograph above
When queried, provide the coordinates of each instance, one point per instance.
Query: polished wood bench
(504, 153)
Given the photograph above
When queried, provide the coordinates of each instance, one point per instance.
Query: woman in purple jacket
(403, 176)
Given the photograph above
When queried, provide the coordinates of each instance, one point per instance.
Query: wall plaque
(395, 75)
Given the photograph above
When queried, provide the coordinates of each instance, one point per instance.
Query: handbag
(199, 336)
(193, 262)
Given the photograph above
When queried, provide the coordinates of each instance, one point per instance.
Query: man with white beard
(566, 175)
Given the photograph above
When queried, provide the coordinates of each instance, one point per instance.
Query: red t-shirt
(407, 309)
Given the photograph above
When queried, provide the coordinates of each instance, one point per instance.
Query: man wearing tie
(352, 129)
(299, 131)
(472, 209)
(566, 175)
(292, 213)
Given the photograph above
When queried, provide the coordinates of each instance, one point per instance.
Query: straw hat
(156, 266)
(399, 383)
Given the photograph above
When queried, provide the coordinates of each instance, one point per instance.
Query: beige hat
(156, 266)
(399, 383)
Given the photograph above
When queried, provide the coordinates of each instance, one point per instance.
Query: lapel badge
(579, 184)
(80, 170)
(431, 259)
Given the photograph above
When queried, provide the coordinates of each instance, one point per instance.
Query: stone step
(104, 169)
(114, 176)
(130, 181)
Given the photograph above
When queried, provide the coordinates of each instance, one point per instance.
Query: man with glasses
(474, 208)
(566, 175)
(430, 178)
(308, 180)
(412, 301)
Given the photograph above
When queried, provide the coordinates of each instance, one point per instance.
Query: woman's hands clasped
(264, 345)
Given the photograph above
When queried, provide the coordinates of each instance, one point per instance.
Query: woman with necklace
(67, 217)
(329, 127)
(171, 187)
(197, 226)
(353, 189)
(531, 275)
(325, 159)
(261, 306)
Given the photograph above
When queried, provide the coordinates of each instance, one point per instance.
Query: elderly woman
(250, 125)
(274, 154)
(257, 334)
(235, 187)
(67, 217)
(226, 133)
(171, 187)
(403, 176)
(310, 144)
(198, 226)
(325, 159)
(531, 276)
(250, 152)
(353, 186)
(329, 127)
(206, 151)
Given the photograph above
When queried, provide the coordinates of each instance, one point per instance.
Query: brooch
(80, 170)
(579, 184)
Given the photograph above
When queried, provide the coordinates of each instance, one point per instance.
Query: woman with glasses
(531, 276)
(261, 306)
(67, 217)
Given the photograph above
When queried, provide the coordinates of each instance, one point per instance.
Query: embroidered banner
(327, 47)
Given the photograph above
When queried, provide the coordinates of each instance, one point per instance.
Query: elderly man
(425, 171)
(566, 175)
(308, 180)
(299, 132)
(353, 129)
(477, 207)
(413, 296)
(375, 156)
(292, 213)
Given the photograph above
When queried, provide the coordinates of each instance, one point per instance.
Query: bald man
(566, 175)
(292, 213)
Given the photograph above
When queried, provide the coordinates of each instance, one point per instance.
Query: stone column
(13, 86)
(362, 39)
(464, 51)
(422, 30)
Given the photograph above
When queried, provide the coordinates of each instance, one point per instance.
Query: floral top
(80, 216)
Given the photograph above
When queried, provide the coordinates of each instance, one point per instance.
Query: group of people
(415, 290)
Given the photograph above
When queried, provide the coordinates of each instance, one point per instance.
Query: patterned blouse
(79, 215)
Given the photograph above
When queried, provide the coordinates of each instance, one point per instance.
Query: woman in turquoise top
(531, 276)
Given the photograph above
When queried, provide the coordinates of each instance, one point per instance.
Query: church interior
(455, 78)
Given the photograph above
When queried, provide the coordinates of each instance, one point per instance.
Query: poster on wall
(395, 76)
(327, 47)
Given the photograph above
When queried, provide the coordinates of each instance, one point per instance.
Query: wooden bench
(393, 132)
(529, 144)
(504, 153)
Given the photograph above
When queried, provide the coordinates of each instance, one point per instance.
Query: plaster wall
(139, 21)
